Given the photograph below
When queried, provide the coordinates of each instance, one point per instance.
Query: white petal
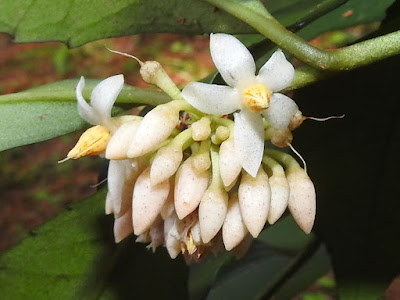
(254, 201)
(120, 141)
(280, 111)
(212, 98)
(156, 234)
(84, 109)
(147, 201)
(123, 226)
(233, 230)
(232, 60)
(105, 93)
(277, 73)
(189, 188)
(229, 163)
(249, 140)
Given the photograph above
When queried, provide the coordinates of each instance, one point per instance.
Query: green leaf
(351, 13)
(73, 256)
(77, 23)
(50, 110)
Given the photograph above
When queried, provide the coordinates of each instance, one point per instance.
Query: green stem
(183, 139)
(216, 181)
(275, 167)
(347, 58)
(285, 159)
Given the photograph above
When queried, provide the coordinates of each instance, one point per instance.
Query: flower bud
(212, 211)
(119, 143)
(92, 142)
(168, 207)
(302, 198)
(279, 197)
(189, 188)
(229, 163)
(147, 202)
(201, 129)
(155, 127)
(279, 190)
(123, 226)
(233, 229)
(120, 180)
(165, 163)
(254, 201)
(222, 133)
(201, 162)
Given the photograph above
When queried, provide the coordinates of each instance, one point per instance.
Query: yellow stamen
(92, 142)
(190, 244)
(256, 97)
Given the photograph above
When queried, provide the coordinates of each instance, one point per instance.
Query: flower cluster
(189, 177)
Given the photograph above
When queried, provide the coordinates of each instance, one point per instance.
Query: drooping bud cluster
(182, 182)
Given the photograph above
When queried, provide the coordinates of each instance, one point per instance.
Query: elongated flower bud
(120, 180)
(279, 190)
(165, 164)
(155, 127)
(302, 197)
(168, 158)
(254, 200)
(233, 230)
(189, 188)
(201, 129)
(229, 163)
(147, 202)
(123, 226)
(119, 143)
(212, 211)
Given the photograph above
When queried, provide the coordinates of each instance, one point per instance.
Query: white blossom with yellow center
(248, 96)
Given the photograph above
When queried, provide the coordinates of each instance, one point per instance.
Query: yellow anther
(190, 244)
(92, 142)
(256, 97)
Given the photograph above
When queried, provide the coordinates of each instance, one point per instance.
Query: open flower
(248, 96)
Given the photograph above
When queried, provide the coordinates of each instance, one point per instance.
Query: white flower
(248, 96)
(101, 101)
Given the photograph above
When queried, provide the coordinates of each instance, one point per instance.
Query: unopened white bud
(222, 133)
(155, 127)
(189, 188)
(165, 163)
(254, 200)
(229, 163)
(279, 190)
(201, 129)
(120, 180)
(234, 230)
(169, 206)
(201, 162)
(123, 226)
(302, 198)
(212, 211)
(147, 202)
(119, 143)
